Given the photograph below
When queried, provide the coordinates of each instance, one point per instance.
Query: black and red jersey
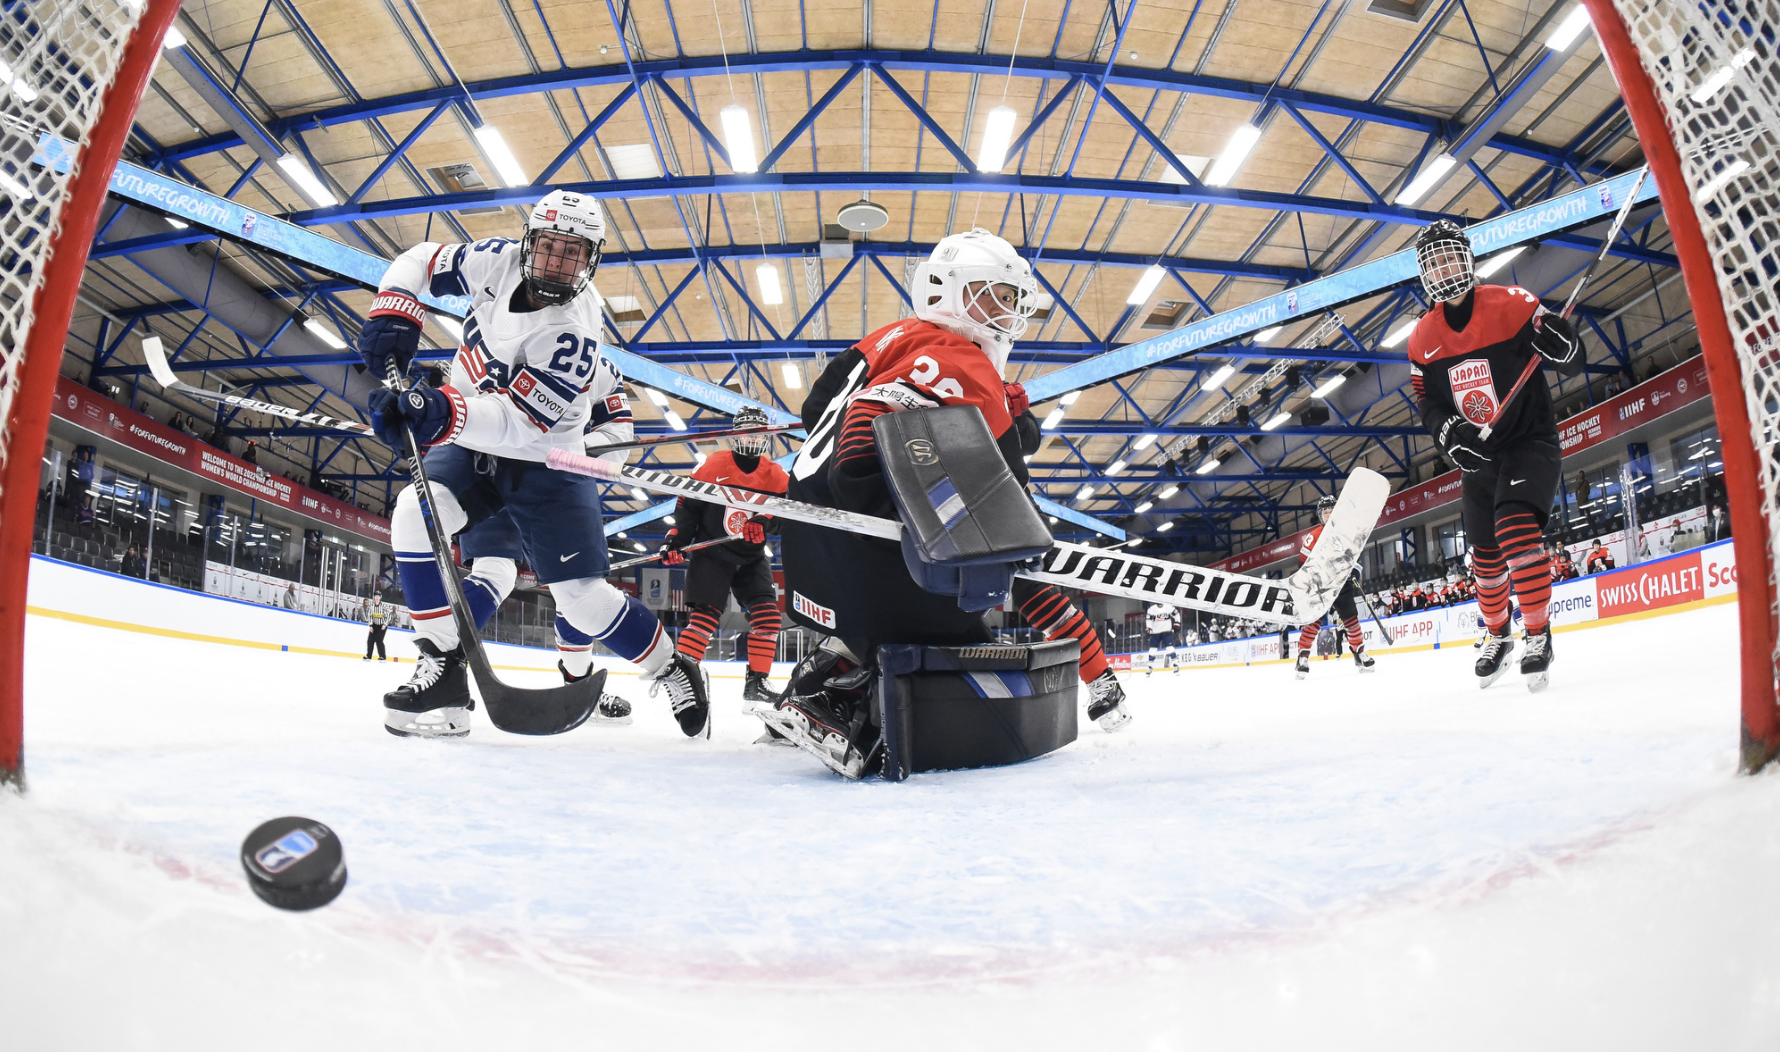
(699, 520)
(1464, 360)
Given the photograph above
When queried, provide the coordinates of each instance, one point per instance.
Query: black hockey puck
(294, 863)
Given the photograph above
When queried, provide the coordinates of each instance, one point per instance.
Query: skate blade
(1302, 675)
(832, 750)
(1368, 668)
(1538, 681)
(401, 733)
(1116, 720)
(610, 721)
(1485, 682)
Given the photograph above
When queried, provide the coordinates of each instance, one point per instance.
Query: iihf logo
(247, 223)
(1606, 196)
(1291, 301)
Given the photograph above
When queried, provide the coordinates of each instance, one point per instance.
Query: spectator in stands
(252, 453)
(1717, 523)
(132, 565)
(378, 616)
(290, 597)
(1599, 558)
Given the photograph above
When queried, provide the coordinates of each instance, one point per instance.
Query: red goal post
(78, 70)
(1701, 82)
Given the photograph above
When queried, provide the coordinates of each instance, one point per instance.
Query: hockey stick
(1570, 304)
(1372, 612)
(155, 354)
(517, 710)
(641, 559)
(1309, 592)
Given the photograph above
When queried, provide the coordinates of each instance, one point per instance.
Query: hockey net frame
(75, 69)
(1701, 82)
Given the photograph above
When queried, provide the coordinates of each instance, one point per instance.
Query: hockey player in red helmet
(1465, 356)
(973, 298)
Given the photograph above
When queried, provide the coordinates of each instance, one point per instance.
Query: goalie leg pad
(980, 706)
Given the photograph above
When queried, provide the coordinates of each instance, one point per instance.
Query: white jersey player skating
(1163, 622)
(528, 379)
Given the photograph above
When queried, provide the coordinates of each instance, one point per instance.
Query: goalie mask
(977, 286)
(1443, 255)
(563, 237)
(750, 445)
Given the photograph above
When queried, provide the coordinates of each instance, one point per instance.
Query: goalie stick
(517, 710)
(1299, 598)
(155, 354)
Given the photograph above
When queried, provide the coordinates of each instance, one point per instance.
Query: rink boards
(1659, 586)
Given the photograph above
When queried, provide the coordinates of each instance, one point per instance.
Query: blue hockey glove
(392, 332)
(434, 416)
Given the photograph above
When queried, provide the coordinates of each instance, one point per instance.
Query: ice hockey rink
(1386, 861)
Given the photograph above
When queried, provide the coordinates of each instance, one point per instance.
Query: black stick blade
(520, 710)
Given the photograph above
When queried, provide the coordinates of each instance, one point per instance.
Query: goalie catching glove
(1462, 444)
(434, 416)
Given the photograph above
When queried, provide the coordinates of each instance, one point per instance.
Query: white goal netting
(56, 60)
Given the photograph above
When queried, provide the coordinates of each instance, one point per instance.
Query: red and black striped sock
(701, 625)
(764, 622)
(1051, 612)
(1529, 565)
(1307, 638)
(1355, 641)
(1492, 586)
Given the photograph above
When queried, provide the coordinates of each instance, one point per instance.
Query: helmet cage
(958, 290)
(535, 254)
(750, 445)
(1448, 269)
(1325, 507)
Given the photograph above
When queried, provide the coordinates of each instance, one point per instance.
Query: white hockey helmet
(977, 286)
(564, 235)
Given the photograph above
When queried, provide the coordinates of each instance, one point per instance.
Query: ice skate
(756, 689)
(1106, 703)
(1363, 661)
(821, 725)
(689, 694)
(435, 702)
(1303, 665)
(1535, 664)
(1492, 661)
(611, 708)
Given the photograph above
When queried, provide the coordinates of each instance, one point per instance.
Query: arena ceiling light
(1399, 334)
(505, 165)
(770, 292)
(12, 186)
(1117, 467)
(1055, 418)
(1069, 399)
(1165, 527)
(1721, 76)
(1224, 372)
(738, 139)
(324, 334)
(1716, 183)
(1426, 179)
(1145, 506)
(304, 182)
(173, 39)
(1084, 493)
(1329, 385)
(452, 326)
(1568, 30)
(998, 131)
(1236, 151)
(1207, 468)
(1496, 262)
(1168, 491)
(1140, 292)
(793, 374)
(1143, 443)
(1278, 418)
(24, 89)
(1267, 334)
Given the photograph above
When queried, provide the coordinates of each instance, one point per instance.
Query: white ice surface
(1386, 861)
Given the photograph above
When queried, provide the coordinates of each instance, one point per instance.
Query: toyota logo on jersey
(1474, 390)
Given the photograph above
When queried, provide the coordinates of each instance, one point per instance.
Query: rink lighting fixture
(1069, 399)
(1143, 443)
(15, 188)
(659, 399)
(1426, 179)
(1116, 467)
(304, 182)
(1278, 418)
(1722, 76)
(1208, 467)
(738, 139)
(175, 224)
(1165, 527)
(1224, 372)
(21, 87)
(1719, 181)
(1496, 262)
(1267, 334)
(1167, 492)
(768, 276)
(324, 334)
(1084, 493)
(673, 420)
(1146, 285)
(1145, 506)
(793, 376)
(639, 546)
(1052, 518)
(173, 39)
(452, 327)
(1399, 334)
(669, 519)
(638, 493)
(1235, 152)
(505, 164)
(1568, 30)
(997, 132)
(1329, 385)
(1055, 418)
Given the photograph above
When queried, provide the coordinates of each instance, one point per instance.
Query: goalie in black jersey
(1466, 356)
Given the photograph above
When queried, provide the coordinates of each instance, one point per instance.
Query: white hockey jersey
(532, 381)
(1162, 617)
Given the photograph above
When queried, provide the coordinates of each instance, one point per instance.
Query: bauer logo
(288, 850)
(816, 612)
(921, 451)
